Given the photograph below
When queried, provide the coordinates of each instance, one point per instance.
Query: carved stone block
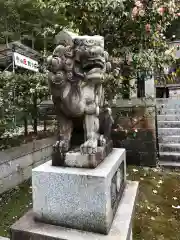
(80, 198)
(27, 228)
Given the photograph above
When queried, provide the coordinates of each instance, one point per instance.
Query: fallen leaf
(176, 207)
(174, 198)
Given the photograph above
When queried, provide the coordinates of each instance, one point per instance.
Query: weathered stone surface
(148, 102)
(148, 159)
(137, 145)
(15, 171)
(133, 157)
(165, 111)
(168, 111)
(169, 164)
(168, 131)
(169, 139)
(27, 229)
(130, 116)
(76, 159)
(168, 117)
(24, 149)
(77, 67)
(79, 198)
(169, 147)
(141, 158)
(141, 147)
(170, 156)
(145, 135)
(167, 103)
(168, 124)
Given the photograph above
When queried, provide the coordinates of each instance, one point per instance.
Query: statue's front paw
(61, 146)
(89, 147)
(59, 152)
(102, 140)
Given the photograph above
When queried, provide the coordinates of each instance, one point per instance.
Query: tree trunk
(45, 46)
(25, 126)
(6, 37)
(45, 125)
(35, 120)
(33, 40)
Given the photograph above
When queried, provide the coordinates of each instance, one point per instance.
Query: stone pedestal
(80, 203)
(28, 229)
(84, 199)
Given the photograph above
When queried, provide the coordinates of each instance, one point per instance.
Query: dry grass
(158, 208)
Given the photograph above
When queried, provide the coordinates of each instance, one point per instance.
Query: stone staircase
(168, 127)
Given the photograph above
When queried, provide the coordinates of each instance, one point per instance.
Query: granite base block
(28, 229)
(85, 199)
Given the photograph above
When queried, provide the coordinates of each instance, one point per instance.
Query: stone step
(169, 139)
(168, 131)
(168, 111)
(167, 100)
(169, 147)
(169, 156)
(168, 117)
(168, 124)
(170, 105)
(169, 164)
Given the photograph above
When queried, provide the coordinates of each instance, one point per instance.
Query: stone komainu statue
(76, 70)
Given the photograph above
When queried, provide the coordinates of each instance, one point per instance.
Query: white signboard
(25, 62)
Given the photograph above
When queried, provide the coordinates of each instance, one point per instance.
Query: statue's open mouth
(94, 68)
(93, 63)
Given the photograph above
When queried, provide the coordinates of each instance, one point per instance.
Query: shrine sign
(25, 62)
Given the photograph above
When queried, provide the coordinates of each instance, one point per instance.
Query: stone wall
(135, 130)
(16, 163)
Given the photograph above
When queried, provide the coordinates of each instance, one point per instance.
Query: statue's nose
(96, 51)
(92, 52)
